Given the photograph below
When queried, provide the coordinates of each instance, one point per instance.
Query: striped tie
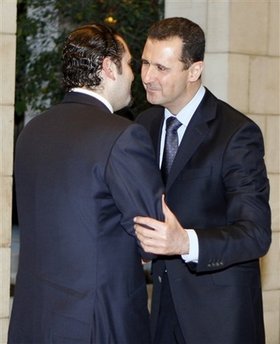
(171, 145)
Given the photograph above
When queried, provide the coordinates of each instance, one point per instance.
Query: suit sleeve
(247, 235)
(133, 177)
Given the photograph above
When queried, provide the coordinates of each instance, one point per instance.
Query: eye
(161, 68)
(144, 62)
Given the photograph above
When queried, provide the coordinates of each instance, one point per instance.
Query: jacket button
(159, 279)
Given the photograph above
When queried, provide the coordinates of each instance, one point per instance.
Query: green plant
(38, 70)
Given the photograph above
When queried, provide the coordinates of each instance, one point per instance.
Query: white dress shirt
(184, 116)
(95, 95)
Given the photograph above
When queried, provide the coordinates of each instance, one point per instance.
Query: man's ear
(196, 70)
(109, 68)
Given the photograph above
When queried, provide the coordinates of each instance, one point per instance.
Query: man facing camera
(206, 279)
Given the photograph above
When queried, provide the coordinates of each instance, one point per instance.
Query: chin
(153, 100)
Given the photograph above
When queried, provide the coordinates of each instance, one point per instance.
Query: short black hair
(192, 36)
(84, 51)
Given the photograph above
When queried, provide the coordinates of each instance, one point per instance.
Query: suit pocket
(195, 173)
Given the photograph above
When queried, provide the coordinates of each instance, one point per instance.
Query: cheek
(130, 73)
(168, 86)
(177, 88)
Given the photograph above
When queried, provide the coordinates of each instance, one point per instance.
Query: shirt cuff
(192, 256)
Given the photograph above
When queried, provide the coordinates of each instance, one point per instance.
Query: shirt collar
(186, 113)
(95, 95)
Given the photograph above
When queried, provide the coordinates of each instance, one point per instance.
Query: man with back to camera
(206, 283)
(82, 174)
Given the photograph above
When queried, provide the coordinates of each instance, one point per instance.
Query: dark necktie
(171, 145)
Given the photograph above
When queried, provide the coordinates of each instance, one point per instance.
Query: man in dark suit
(207, 287)
(82, 174)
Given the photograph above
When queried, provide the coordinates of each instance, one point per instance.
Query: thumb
(165, 209)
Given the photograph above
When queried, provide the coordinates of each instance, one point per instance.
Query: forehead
(163, 49)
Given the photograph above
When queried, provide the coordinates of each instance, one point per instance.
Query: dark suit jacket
(82, 174)
(219, 187)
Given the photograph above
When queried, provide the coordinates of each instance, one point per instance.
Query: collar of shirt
(184, 116)
(95, 95)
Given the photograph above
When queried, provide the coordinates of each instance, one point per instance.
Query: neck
(191, 92)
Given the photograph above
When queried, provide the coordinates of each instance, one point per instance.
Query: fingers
(148, 244)
(143, 234)
(147, 222)
(168, 238)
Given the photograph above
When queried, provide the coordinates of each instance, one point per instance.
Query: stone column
(7, 87)
(242, 68)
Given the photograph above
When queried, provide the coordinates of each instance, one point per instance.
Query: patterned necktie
(171, 145)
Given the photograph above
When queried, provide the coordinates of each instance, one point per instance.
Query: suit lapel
(195, 133)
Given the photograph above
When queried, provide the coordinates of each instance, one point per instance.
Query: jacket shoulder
(225, 112)
(150, 114)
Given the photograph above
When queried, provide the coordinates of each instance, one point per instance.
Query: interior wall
(7, 86)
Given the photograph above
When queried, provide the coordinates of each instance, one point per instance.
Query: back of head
(84, 51)
(190, 33)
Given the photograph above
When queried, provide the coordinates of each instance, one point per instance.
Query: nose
(146, 74)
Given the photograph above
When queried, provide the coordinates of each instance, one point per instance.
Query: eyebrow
(155, 64)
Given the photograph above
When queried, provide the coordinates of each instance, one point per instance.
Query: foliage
(40, 38)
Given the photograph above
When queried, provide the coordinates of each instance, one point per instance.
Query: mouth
(151, 89)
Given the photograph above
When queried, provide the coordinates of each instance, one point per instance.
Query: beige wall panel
(249, 26)
(275, 200)
(5, 254)
(3, 330)
(8, 16)
(238, 79)
(7, 68)
(270, 265)
(274, 28)
(7, 140)
(5, 211)
(217, 35)
(216, 67)
(264, 85)
(193, 10)
(271, 316)
(273, 144)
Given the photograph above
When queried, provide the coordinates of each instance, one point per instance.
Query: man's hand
(165, 238)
